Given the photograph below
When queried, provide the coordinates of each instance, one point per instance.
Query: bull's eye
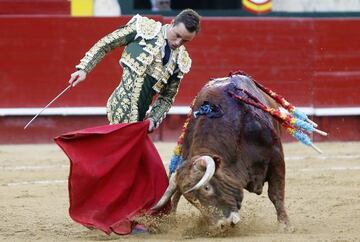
(208, 189)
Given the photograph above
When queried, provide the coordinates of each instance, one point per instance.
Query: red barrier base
(44, 129)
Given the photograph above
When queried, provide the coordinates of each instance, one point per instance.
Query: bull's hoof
(286, 228)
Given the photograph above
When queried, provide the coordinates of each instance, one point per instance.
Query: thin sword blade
(61, 93)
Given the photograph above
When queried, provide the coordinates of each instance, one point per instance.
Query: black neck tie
(167, 54)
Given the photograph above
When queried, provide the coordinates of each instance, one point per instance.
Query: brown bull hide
(245, 144)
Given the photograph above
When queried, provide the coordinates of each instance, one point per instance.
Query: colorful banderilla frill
(208, 109)
(295, 122)
(176, 158)
(285, 104)
(280, 100)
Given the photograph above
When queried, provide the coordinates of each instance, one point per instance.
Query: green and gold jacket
(144, 75)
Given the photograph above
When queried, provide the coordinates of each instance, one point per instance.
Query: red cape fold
(116, 173)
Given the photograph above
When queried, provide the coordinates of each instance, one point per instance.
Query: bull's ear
(218, 161)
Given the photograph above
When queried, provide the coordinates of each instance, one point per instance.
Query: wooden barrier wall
(42, 7)
(313, 62)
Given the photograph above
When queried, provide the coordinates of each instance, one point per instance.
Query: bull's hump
(218, 82)
(238, 80)
(242, 81)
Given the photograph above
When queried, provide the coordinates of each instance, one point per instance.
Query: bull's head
(210, 188)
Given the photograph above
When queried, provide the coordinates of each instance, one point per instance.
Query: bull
(234, 147)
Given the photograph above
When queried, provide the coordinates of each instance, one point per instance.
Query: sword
(61, 93)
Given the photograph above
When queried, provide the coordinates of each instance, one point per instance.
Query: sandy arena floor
(322, 199)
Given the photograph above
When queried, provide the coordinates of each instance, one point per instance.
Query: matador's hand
(76, 77)
(152, 125)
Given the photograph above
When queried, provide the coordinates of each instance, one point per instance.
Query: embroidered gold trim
(98, 51)
(180, 75)
(142, 42)
(160, 73)
(164, 101)
(158, 86)
(133, 19)
(145, 59)
(152, 50)
(171, 67)
(147, 28)
(120, 103)
(134, 113)
(132, 64)
(184, 60)
(160, 41)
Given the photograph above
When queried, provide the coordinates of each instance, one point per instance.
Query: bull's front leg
(276, 193)
(175, 200)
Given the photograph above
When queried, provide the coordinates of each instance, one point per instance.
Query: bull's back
(242, 126)
(236, 112)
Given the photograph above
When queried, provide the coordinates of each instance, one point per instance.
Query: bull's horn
(210, 170)
(168, 193)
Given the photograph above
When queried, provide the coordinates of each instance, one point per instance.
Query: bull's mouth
(229, 221)
(218, 220)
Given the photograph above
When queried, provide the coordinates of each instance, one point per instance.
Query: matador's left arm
(165, 100)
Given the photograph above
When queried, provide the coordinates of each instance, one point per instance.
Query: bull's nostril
(221, 225)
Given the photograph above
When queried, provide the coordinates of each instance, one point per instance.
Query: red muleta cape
(116, 173)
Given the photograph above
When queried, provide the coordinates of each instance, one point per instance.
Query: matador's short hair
(190, 18)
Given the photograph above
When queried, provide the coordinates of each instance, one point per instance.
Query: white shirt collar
(165, 29)
(164, 33)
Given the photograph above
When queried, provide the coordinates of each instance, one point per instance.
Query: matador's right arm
(119, 37)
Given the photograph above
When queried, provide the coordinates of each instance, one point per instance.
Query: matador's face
(177, 35)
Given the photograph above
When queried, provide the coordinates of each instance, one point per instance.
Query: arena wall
(313, 62)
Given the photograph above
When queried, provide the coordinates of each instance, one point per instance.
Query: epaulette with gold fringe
(145, 27)
(184, 60)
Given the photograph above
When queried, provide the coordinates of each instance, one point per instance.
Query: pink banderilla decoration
(295, 122)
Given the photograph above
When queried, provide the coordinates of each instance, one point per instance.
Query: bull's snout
(232, 220)
(234, 217)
